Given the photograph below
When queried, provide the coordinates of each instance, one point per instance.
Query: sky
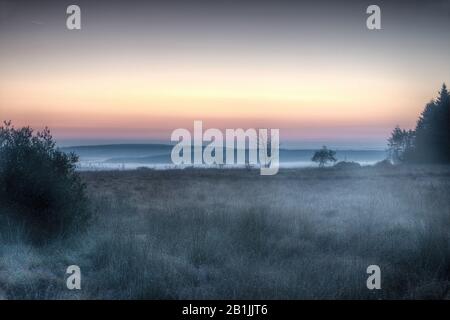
(137, 70)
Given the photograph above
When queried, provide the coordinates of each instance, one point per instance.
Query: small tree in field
(39, 185)
(323, 156)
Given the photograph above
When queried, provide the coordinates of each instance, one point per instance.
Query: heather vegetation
(224, 234)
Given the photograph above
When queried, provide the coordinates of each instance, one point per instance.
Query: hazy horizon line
(285, 147)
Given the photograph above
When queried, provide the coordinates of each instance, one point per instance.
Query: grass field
(233, 234)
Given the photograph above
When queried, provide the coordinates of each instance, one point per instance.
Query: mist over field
(233, 234)
(157, 156)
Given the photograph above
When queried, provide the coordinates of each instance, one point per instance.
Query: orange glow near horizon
(118, 103)
(141, 72)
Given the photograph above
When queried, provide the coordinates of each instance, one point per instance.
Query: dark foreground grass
(233, 234)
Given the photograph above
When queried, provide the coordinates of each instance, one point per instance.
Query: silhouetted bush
(38, 183)
(384, 164)
(347, 165)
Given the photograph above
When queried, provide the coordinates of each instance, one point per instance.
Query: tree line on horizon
(429, 142)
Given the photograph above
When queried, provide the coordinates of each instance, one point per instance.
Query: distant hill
(119, 150)
(160, 154)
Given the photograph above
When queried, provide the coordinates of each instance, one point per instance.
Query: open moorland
(233, 234)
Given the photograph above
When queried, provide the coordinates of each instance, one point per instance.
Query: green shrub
(39, 185)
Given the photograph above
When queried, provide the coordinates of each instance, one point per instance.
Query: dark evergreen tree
(432, 143)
